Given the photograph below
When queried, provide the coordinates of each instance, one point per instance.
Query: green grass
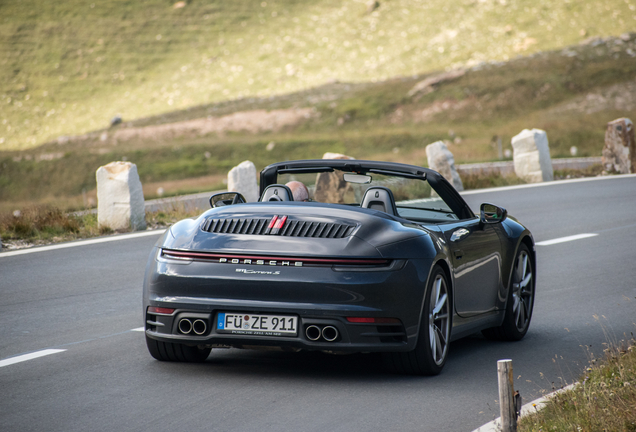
(604, 400)
(68, 67)
(212, 60)
(368, 127)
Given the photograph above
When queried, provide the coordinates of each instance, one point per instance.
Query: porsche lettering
(261, 262)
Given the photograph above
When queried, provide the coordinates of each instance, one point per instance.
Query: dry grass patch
(605, 399)
(40, 225)
(46, 224)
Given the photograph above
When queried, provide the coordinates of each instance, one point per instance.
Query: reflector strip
(160, 310)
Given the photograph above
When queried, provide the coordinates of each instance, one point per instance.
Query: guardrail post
(506, 396)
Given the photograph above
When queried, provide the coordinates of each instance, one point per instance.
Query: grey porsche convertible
(370, 257)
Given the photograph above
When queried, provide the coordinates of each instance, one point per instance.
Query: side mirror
(492, 214)
(226, 198)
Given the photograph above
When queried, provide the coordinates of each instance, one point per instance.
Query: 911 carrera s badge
(248, 271)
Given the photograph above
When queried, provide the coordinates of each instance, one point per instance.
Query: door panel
(476, 256)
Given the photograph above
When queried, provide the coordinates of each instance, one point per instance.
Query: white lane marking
(46, 352)
(81, 243)
(25, 357)
(565, 239)
(552, 183)
(529, 408)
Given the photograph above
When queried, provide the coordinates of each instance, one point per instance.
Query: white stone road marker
(25, 357)
(565, 239)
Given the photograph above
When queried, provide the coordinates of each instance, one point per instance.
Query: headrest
(379, 198)
(277, 192)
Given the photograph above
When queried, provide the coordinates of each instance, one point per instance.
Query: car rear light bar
(272, 260)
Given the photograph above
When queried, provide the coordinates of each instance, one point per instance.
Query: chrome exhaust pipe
(330, 333)
(312, 332)
(185, 326)
(199, 327)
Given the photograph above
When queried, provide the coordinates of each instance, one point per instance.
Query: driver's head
(299, 190)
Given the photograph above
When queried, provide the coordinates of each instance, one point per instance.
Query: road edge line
(543, 184)
(529, 408)
(86, 242)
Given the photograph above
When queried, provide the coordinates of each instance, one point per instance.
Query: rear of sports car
(291, 275)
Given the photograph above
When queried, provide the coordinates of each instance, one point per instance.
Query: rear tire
(173, 352)
(431, 350)
(520, 301)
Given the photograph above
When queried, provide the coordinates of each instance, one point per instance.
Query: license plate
(259, 325)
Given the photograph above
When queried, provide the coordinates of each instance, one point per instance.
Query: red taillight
(368, 320)
(160, 310)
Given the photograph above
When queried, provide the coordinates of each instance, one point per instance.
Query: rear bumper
(351, 337)
(318, 296)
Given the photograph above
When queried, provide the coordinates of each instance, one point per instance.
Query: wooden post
(506, 396)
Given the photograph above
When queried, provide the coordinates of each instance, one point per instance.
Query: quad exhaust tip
(198, 326)
(313, 332)
(185, 326)
(328, 333)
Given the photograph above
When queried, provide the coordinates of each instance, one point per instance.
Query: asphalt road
(87, 300)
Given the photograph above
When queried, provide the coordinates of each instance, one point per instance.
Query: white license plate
(259, 325)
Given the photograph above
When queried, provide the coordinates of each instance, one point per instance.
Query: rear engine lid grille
(279, 225)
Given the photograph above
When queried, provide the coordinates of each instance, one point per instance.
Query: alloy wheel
(522, 291)
(438, 320)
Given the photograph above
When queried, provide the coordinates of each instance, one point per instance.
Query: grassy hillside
(69, 67)
(571, 93)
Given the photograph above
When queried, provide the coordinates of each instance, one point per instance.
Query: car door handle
(458, 254)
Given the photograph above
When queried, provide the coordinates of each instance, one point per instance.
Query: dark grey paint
(479, 282)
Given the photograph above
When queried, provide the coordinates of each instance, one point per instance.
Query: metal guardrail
(200, 201)
(508, 167)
